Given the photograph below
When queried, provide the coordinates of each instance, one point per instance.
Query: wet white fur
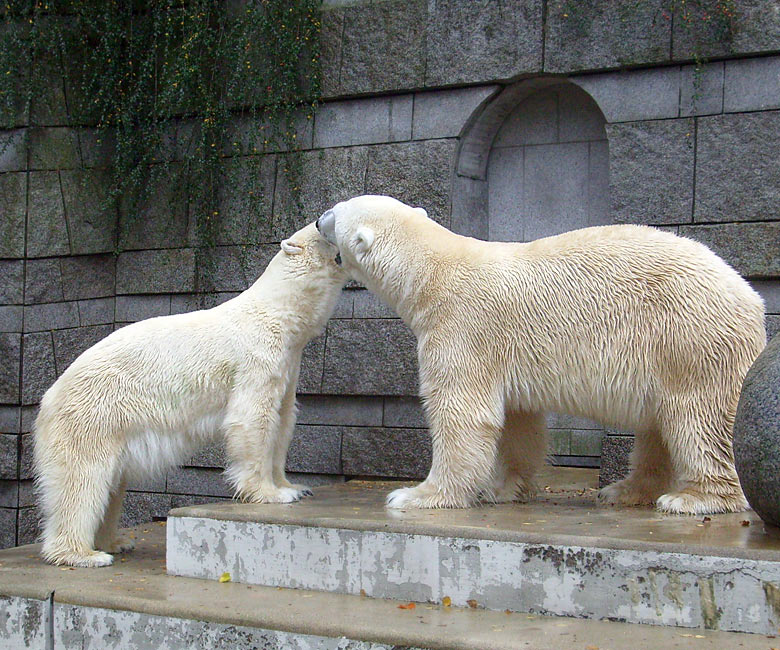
(150, 394)
(628, 325)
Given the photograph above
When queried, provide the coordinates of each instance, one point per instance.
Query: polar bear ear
(291, 248)
(363, 239)
(421, 211)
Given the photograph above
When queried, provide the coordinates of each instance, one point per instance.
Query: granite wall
(415, 93)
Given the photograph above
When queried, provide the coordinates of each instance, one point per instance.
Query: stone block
(232, 268)
(29, 413)
(212, 455)
(159, 218)
(701, 89)
(47, 229)
(770, 292)
(156, 271)
(99, 311)
(417, 173)
(26, 461)
(245, 199)
(184, 500)
(552, 203)
(130, 309)
(322, 178)
(49, 106)
(755, 28)
(314, 480)
(54, 148)
(344, 410)
(97, 147)
(187, 302)
(315, 449)
(13, 210)
(404, 412)
(10, 351)
(344, 306)
(91, 214)
(478, 41)
(363, 121)
(251, 135)
(566, 421)
(751, 248)
(10, 419)
(560, 442)
(368, 305)
(737, 176)
(198, 480)
(143, 507)
(13, 150)
(43, 281)
(633, 95)
(7, 527)
(9, 457)
(88, 276)
(11, 318)
(772, 326)
(312, 361)
(26, 494)
(370, 357)
(331, 30)
(38, 369)
(604, 34)
(444, 113)
(586, 443)
(69, 344)
(9, 495)
(365, 452)
(370, 32)
(651, 171)
(29, 526)
(155, 483)
(11, 282)
(51, 316)
(757, 433)
(615, 452)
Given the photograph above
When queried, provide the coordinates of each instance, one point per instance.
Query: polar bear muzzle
(326, 224)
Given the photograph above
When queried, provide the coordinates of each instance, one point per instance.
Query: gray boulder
(757, 434)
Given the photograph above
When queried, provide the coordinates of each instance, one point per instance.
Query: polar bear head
(367, 229)
(308, 255)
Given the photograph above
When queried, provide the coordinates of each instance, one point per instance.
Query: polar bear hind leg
(107, 537)
(697, 431)
(73, 485)
(521, 452)
(651, 473)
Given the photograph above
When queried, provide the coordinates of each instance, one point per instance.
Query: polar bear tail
(76, 472)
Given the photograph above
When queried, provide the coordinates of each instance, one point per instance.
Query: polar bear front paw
(120, 544)
(422, 497)
(690, 501)
(276, 495)
(623, 493)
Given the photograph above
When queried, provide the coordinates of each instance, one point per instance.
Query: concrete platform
(561, 554)
(135, 604)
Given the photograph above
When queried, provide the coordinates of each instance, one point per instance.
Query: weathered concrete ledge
(559, 555)
(134, 604)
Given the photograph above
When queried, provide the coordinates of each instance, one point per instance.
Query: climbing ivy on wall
(162, 82)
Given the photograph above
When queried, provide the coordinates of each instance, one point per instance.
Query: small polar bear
(148, 395)
(627, 325)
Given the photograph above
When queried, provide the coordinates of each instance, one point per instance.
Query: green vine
(176, 89)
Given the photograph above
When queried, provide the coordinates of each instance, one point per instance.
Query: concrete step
(559, 555)
(135, 604)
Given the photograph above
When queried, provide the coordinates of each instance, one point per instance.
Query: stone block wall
(415, 92)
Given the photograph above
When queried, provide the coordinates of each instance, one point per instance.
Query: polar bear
(627, 325)
(148, 395)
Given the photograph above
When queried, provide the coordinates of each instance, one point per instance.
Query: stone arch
(532, 162)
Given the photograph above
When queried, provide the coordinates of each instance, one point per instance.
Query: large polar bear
(627, 325)
(148, 395)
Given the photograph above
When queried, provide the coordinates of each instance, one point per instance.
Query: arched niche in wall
(532, 162)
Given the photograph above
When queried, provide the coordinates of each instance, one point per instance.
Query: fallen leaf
(407, 606)
(363, 592)
(706, 519)
(472, 603)
(745, 522)
(446, 601)
(591, 647)
(225, 577)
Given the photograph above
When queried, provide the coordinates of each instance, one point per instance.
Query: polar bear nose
(326, 224)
